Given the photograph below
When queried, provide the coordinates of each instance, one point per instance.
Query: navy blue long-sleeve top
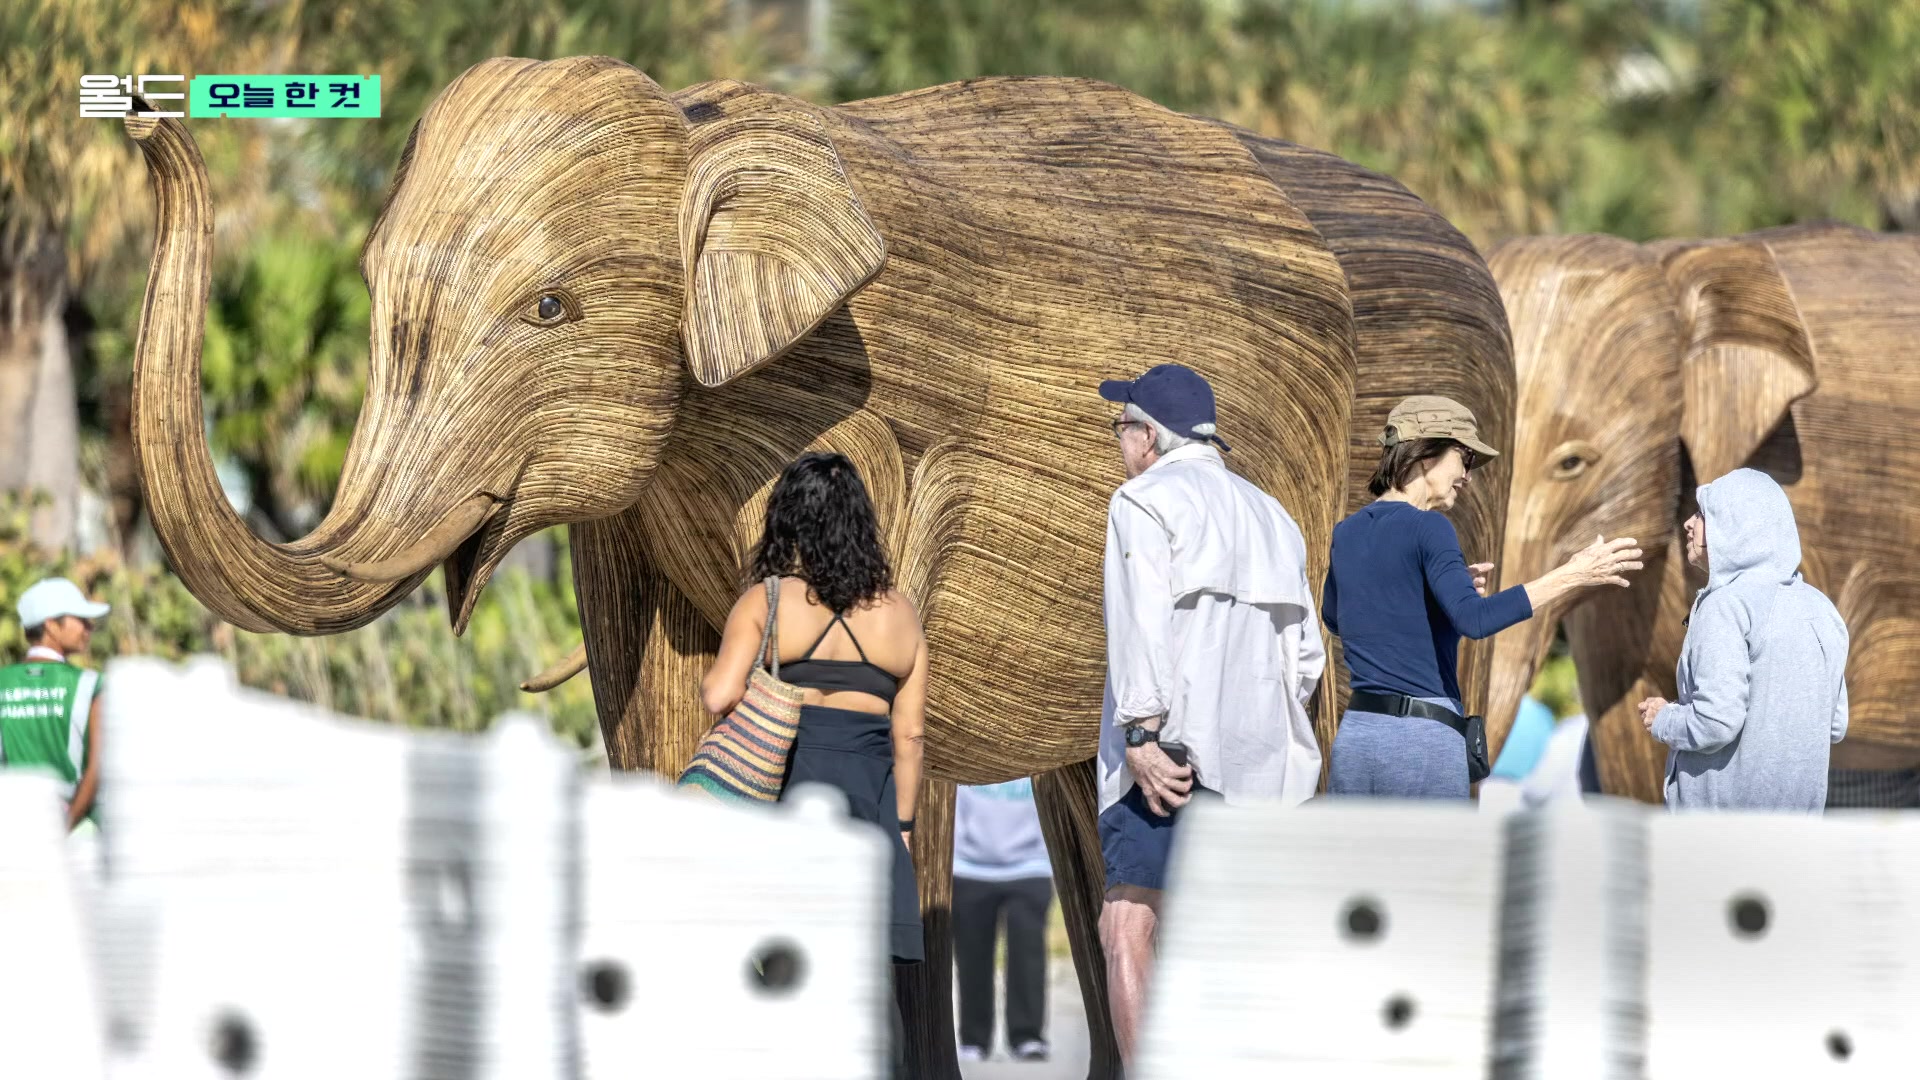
(1400, 596)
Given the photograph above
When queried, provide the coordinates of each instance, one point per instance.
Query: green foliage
(1558, 686)
(1622, 116)
(405, 668)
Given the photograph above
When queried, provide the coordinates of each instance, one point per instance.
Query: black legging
(977, 908)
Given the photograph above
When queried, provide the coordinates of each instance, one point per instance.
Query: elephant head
(1638, 367)
(559, 250)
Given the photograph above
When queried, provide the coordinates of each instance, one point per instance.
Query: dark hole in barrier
(1364, 920)
(233, 1044)
(777, 968)
(606, 985)
(1399, 1011)
(1839, 1045)
(1749, 915)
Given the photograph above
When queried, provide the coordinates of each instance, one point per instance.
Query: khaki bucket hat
(1430, 416)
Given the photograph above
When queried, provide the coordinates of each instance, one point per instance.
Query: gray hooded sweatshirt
(1763, 692)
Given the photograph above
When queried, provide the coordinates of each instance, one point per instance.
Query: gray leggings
(1398, 757)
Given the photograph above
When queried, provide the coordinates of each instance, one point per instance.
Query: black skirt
(853, 751)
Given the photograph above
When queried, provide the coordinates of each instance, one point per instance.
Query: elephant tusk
(432, 548)
(574, 663)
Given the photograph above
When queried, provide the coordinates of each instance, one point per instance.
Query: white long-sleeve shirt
(1210, 623)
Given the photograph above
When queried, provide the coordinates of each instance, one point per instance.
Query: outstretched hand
(1482, 574)
(1605, 562)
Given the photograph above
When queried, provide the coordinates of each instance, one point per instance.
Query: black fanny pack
(1471, 728)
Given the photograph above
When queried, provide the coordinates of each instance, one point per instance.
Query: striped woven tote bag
(744, 757)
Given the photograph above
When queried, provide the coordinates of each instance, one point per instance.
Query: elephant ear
(1747, 358)
(773, 235)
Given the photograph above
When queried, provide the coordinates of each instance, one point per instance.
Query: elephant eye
(551, 307)
(1570, 459)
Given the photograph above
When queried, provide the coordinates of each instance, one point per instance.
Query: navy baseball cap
(1173, 394)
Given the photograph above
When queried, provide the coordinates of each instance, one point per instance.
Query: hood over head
(1750, 529)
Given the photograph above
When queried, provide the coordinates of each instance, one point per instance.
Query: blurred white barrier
(1573, 944)
(1337, 940)
(288, 894)
(1784, 946)
(729, 942)
(292, 894)
(50, 1018)
(1355, 939)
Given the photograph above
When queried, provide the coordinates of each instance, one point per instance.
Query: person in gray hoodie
(1762, 676)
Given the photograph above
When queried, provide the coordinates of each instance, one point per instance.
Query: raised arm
(726, 681)
(1451, 583)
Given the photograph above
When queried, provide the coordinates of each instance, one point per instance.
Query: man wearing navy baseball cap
(1213, 650)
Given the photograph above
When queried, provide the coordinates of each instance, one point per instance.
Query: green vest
(43, 717)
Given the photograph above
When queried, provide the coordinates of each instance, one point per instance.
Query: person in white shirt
(1213, 650)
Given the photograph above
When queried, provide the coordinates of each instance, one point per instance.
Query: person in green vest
(49, 708)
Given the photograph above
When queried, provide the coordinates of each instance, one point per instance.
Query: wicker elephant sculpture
(1647, 369)
(596, 302)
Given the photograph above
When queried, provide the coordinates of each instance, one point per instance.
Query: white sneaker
(972, 1053)
(1031, 1050)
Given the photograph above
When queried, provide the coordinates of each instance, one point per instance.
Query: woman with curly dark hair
(864, 671)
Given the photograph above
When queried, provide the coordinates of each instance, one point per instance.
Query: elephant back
(1043, 235)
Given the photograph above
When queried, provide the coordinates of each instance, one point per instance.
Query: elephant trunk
(1517, 656)
(1519, 651)
(251, 583)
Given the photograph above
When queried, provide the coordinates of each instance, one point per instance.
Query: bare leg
(1128, 923)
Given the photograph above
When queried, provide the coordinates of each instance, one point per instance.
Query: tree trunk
(39, 416)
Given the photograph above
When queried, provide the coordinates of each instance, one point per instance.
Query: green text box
(247, 96)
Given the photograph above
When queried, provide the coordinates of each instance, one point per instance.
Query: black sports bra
(861, 676)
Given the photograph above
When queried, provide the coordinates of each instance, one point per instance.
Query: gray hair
(1163, 440)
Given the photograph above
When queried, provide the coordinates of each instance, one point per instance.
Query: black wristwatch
(1139, 735)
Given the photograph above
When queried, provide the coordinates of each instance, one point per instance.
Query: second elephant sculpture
(596, 302)
(1646, 369)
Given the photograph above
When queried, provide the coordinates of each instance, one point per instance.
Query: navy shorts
(1136, 841)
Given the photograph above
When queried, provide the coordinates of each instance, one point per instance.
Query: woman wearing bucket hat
(1401, 595)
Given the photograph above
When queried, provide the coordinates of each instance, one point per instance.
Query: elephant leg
(1069, 802)
(647, 647)
(925, 990)
(1625, 643)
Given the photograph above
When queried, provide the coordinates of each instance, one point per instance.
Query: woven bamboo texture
(1645, 369)
(598, 303)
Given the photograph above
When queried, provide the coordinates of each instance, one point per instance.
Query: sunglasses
(1121, 424)
(1469, 456)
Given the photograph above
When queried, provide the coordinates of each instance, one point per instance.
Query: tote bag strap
(769, 655)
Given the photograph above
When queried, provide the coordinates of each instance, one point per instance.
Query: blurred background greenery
(1643, 118)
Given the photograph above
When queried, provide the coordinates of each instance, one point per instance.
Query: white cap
(53, 598)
